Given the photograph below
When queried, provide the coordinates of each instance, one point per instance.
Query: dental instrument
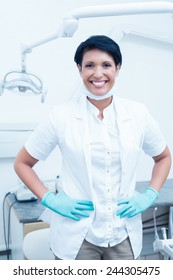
(164, 246)
(68, 27)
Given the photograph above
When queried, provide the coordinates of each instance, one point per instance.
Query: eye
(89, 65)
(107, 65)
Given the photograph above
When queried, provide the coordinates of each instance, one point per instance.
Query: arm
(141, 202)
(162, 164)
(23, 166)
(59, 203)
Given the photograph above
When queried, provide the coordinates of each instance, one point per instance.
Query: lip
(98, 84)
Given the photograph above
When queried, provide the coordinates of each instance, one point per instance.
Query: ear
(79, 68)
(117, 70)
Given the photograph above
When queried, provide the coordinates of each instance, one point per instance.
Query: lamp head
(23, 83)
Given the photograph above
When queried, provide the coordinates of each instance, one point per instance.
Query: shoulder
(61, 110)
(130, 103)
(73, 108)
(131, 107)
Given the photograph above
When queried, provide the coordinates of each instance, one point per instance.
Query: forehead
(97, 54)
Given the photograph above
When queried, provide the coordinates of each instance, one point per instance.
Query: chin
(99, 92)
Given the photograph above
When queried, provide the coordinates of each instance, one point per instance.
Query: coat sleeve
(44, 138)
(153, 142)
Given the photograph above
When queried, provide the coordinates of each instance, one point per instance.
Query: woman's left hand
(137, 204)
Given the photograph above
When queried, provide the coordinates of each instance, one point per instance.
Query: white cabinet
(12, 137)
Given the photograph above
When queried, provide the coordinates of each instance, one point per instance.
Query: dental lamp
(25, 82)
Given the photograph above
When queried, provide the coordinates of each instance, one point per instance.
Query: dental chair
(36, 245)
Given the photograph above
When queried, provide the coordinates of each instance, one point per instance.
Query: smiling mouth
(98, 84)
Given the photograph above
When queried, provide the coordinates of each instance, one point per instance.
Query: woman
(96, 214)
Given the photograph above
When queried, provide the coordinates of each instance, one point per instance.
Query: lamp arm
(67, 28)
(70, 21)
(122, 9)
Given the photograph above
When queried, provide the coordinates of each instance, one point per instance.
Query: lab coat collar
(80, 113)
(80, 110)
(122, 114)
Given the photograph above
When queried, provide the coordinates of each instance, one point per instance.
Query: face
(98, 71)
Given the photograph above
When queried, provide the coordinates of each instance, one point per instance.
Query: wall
(145, 75)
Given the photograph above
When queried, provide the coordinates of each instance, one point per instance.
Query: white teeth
(98, 83)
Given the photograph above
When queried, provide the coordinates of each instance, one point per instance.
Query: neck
(101, 104)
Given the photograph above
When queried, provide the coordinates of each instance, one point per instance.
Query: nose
(98, 73)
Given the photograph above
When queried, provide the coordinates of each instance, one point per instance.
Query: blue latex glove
(137, 204)
(66, 206)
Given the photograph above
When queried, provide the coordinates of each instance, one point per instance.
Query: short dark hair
(101, 42)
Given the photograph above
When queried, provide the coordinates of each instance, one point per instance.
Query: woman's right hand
(66, 206)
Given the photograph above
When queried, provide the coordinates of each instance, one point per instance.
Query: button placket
(108, 192)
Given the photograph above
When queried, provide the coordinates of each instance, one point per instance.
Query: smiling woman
(99, 60)
(98, 71)
(100, 136)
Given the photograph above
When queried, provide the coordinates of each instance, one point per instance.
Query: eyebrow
(90, 61)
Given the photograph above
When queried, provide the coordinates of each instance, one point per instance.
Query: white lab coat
(68, 127)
